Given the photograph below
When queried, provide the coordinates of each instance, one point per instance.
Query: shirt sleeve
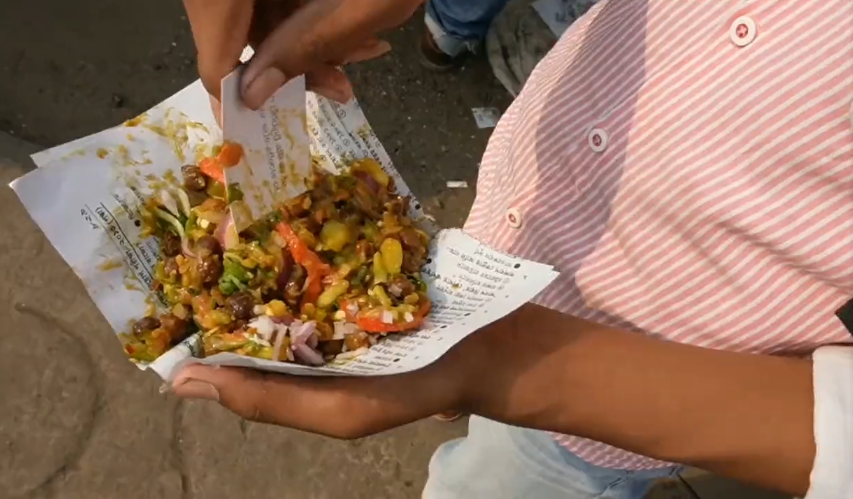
(831, 475)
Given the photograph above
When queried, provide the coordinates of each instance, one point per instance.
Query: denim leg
(497, 461)
(460, 24)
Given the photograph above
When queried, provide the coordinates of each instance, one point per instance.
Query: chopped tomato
(302, 254)
(312, 291)
(230, 154)
(213, 169)
(351, 317)
(375, 325)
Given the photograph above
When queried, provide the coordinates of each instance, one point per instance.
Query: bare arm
(744, 416)
(747, 417)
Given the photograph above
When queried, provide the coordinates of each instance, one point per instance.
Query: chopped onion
(167, 201)
(368, 179)
(280, 333)
(179, 311)
(351, 355)
(395, 289)
(184, 201)
(261, 341)
(387, 317)
(209, 217)
(174, 222)
(264, 326)
(352, 308)
(259, 310)
(409, 317)
(343, 329)
(308, 355)
(287, 320)
(300, 332)
(278, 240)
(185, 247)
(226, 233)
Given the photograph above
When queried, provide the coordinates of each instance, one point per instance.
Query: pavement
(77, 419)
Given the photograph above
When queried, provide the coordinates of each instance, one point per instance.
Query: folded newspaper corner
(86, 197)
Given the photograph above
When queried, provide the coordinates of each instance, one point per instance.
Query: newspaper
(275, 159)
(86, 196)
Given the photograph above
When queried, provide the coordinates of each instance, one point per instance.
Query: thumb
(284, 54)
(250, 394)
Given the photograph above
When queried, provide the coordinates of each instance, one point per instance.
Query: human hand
(291, 38)
(476, 376)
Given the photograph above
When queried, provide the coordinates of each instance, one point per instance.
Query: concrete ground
(78, 420)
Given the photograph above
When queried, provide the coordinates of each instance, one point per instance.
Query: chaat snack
(324, 277)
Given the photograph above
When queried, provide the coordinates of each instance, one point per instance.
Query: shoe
(434, 59)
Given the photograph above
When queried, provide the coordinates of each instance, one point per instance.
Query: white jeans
(497, 461)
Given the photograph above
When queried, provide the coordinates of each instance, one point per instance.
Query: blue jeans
(457, 25)
(497, 461)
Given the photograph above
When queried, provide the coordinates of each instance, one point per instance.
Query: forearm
(744, 416)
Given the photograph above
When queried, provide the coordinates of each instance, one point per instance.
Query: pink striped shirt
(688, 167)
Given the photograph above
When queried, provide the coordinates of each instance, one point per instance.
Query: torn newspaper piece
(275, 159)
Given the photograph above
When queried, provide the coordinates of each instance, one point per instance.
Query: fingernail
(342, 96)
(194, 389)
(258, 90)
(334, 94)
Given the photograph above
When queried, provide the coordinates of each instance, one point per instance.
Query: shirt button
(598, 140)
(743, 31)
(513, 218)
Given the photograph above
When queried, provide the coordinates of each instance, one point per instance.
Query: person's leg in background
(497, 461)
(455, 28)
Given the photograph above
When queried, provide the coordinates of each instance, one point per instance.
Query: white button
(743, 31)
(513, 218)
(598, 140)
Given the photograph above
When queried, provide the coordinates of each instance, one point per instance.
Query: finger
(216, 107)
(320, 33)
(330, 82)
(371, 49)
(337, 407)
(220, 29)
(243, 391)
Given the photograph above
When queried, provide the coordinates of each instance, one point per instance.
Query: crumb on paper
(75, 152)
(102, 153)
(174, 127)
(457, 184)
(110, 264)
(364, 132)
(486, 117)
(138, 120)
